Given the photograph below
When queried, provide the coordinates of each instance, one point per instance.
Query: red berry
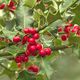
(16, 39)
(75, 29)
(59, 29)
(42, 53)
(26, 30)
(13, 8)
(33, 68)
(18, 59)
(36, 36)
(11, 4)
(34, 53)
(24, 40)
(28, 46)
(78, 32)
(38, 46)
(48, 51)
(27, 53)
(64, 37)
(32, 48)
(2, 6)
(32, 30)
(31, 41)
(67, 29)
(70, 25)
(25, 59)
(19, 65)
(22, 57)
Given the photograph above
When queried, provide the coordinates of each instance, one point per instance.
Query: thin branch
(42, 27)
(9, 57)
(61, 47)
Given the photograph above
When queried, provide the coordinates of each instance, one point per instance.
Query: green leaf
(66, 5)
(24, 75)
(2, 44)
(47, 68)
(47, 41)
(40, 77)
(77, 15)
(52, 57)
(30, 3)
(73, 39)
(40, 6)
(53, 26)
(9, 34)
(9, 75)
(57, 42)
(23, 17)
(14, 50)
(13, 66)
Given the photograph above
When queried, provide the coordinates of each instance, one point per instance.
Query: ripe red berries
(42, 53)
(26, 30)
(21, 58)
(2, 6)
(16, 39)
(67, 29)
(36, 36)
(33, 48)
(29, 31)
(48, 51)
(11, 6)
(64, 37)
(33, 68)
(31, 40)
(59, 29)
(38, 46)
(24, 40)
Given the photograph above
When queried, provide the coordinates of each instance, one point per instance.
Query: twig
(61, 48)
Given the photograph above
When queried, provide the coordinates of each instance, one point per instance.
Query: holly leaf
(57, 42)
(66, 4)
(77, 15)
(47, 68)
(40, 77)
(47, 41)
(9, 34)
(24, 75)
(52, 26)
(30, 3)
(14, 50)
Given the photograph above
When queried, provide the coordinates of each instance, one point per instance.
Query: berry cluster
(11, 6)
(68, 29)
(33, 48)
(33, 68)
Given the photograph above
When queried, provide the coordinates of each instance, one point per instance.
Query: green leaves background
(52, 13)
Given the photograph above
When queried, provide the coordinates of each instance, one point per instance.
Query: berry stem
(7, 56)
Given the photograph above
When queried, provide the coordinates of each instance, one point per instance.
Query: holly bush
(33, 33)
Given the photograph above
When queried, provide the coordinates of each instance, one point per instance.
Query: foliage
(46, 16)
